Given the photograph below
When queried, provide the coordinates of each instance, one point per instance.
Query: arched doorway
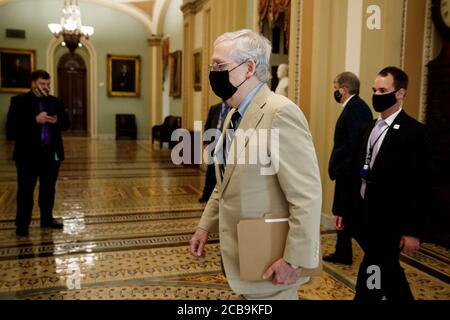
(72, 90)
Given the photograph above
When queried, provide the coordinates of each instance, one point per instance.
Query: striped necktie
(229, 134)
(234, 124)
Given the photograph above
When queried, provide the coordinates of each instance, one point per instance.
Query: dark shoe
(22, 232)
(52, 224)
(203, 199)
(334, 258)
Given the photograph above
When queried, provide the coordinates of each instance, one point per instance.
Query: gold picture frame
(175, 74)
(16, 66)
(124, 76)
(165, 56)
(198, 70)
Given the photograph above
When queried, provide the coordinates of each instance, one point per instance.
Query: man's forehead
(385, 82)
(222, 51)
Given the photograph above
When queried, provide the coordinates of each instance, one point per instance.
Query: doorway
(72, 90)
(280, 51)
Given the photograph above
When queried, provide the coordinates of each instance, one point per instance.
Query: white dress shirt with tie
(241, 109)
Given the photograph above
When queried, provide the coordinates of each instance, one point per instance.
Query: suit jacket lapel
(251, 119)
(363, 155)
(391, 135)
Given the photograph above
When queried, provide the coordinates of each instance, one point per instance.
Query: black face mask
(221, 85)
(382, 102)
(337, 96)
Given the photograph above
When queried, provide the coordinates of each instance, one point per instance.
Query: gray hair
(249, 44)
(348, 80)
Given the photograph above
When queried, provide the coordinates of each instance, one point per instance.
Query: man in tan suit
(289, 184)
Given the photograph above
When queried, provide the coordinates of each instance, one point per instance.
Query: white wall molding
(106, 136)
(159, 15)
(354, 36)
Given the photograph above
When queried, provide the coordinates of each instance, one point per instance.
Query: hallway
(128, 216)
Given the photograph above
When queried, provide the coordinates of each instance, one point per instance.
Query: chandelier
(70, 27)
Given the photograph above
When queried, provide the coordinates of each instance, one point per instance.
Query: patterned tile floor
(128, 215)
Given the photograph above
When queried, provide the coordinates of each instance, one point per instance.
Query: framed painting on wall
(175, 74)
(165, 56)
(16, 66)
(124, 75)
(165, 50)
(198, 70)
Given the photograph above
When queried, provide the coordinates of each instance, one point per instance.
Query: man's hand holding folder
(282, 273)
(261, 248)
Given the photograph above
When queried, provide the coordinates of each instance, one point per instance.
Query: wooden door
(72, 90)
(438, 121)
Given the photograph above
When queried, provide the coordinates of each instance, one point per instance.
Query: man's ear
(401, 94)
(251, 65)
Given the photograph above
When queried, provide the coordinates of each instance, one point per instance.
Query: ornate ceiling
(149, 12)
(144, 5)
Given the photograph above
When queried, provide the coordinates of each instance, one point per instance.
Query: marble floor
(128, 215)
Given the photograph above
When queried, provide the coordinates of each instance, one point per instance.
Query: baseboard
(106, 136)
(327, 222)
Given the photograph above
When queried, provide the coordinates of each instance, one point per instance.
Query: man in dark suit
(354, 117)
(392, 191)
(216, 115)
(35, 120)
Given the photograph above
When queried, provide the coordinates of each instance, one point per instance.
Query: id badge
(364, 171)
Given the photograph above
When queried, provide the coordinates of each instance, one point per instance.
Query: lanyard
(372, 146)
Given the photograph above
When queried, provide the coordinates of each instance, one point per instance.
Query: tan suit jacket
(245, 193)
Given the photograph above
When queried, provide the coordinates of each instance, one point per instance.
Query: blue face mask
(221, 85)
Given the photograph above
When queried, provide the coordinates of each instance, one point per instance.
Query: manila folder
(261, 242)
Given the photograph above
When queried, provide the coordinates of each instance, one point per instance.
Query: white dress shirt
(346, 101)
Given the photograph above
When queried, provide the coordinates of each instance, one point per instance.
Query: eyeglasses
(218, 66)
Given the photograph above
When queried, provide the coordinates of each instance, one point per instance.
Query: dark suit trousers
(210, 181)
(28, 172)
(344, 244)
(382, 251)
(394, 285)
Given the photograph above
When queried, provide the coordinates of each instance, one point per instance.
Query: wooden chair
(126, 126)
(163, 132)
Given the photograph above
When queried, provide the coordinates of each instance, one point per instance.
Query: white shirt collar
(389, 120)
(346, 101)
